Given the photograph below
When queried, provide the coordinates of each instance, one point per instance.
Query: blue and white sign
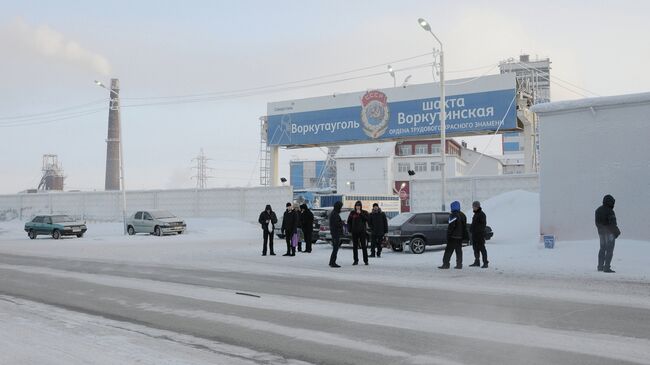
(473, 106)
(549, 241)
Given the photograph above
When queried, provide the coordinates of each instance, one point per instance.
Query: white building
(384, 168)
(592, 147)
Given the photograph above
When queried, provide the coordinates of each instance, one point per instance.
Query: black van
(418, 230)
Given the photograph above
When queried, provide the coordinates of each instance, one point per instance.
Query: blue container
(549, 241)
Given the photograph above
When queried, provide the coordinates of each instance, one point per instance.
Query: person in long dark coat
(479, 223)
(357, 222)
(267, 220)
(456, 232)
(289, 227)
(307, 222)
(608, 231)
(336, 229)
(378, 228)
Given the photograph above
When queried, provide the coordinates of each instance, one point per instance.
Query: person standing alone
(608, 232)
(479, 223)
(268, 219)
(456, 232)
(336, 229)
(307, 221)
(357, 221)
(289, 228)
(378, 228)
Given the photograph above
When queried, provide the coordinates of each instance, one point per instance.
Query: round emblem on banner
(374, 113)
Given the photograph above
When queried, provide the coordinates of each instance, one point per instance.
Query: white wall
(426, 194)
(479, 164)
(238, 203)
(590, 148)
(371, 175)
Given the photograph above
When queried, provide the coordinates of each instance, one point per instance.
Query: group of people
(300, 217)
(357, 222)
(296, 219)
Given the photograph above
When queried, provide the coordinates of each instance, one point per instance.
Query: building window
(421, 149)
(435, 150)
(351, 166)
(403, 167)
(420, 166)
(405, 150)
(351, 184)
(435, 166)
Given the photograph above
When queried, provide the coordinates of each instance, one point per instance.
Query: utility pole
(201, 170)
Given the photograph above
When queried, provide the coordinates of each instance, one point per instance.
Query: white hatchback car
(158, 222)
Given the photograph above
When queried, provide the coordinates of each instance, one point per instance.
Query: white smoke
(48, 42)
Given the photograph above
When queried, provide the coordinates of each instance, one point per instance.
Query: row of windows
(417, 167)
(420, 149)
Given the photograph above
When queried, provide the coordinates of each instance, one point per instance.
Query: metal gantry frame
(265, 153)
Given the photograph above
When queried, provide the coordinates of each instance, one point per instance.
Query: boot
(378, 254)
(600, 268)
(608, 270)
(355, 263)
(475, 264)
(458, 266)
(287, 254)
(334, 265)
(444, 266)
(372, 254)
(485, 265)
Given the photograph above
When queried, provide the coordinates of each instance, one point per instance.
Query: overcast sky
(52, 52)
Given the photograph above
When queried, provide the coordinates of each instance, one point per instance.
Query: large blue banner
(376, 118)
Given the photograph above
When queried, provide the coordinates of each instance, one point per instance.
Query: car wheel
(79, 235)
(397, 247)
(56, 234)
(31, 234)
(417, 246)
(130, 230)
(157, 231)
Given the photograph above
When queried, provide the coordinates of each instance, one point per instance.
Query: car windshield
(400, 219)
(61, 219)
(162, 214)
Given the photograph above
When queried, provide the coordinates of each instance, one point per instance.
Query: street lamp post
(391, 71)
(443, 141)
(115, 103)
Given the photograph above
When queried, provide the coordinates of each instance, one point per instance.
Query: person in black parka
(289, 227)
(608, 232)
(307, 221)
(378, 228)
(479, 223)
(336, 229)
(268, 219)
(357, 221)
(456, 233)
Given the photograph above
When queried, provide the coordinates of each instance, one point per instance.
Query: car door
(440, 228)
(137, 222)
(36, 224)
(147, 222)
(422, 223)
(47, 226)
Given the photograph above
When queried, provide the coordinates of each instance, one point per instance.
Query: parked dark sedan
(55, 226)
(418, 230)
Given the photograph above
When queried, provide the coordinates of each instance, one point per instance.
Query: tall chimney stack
(113, 139)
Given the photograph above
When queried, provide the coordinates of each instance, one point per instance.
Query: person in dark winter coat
(289, 227)
(479, 222)
(378, 228)
(456, 232)
(296, 210)
(267, 220)
(608, 232)
(307, 221)
(357, 221)
(336, 229)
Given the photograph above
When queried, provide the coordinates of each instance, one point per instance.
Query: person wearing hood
(289, 227)
(456, 232)
(479, 223)
(268, 219)
(378, 228)
(608, 232)
(296, 210)
(307, 221)
(357, 221)
(336, 229)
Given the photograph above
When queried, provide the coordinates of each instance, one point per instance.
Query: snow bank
(514, 216)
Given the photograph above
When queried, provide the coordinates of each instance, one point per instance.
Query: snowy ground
(521, 271)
